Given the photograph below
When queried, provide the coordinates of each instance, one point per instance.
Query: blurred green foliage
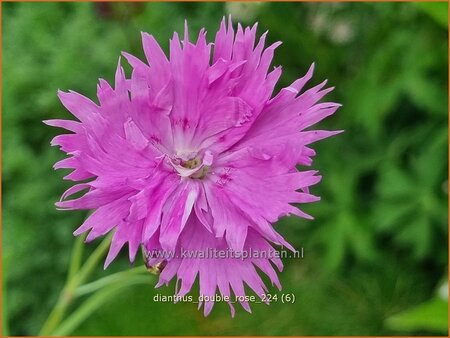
(378, 244)
(431, 315)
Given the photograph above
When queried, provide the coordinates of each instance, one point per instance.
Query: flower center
(192, 163)
(193, 167)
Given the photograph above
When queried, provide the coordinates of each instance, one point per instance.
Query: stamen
(194, 167)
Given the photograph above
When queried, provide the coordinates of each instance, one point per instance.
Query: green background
(376, 252)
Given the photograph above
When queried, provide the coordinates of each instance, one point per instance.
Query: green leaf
(430, 316)
(438, 11)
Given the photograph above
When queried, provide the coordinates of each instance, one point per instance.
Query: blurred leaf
(431, 316)
(436, 10)
(5, 309)
(411, 203)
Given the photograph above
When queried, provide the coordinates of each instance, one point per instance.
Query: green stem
(93, 303)
(108, 280)
(57, 313)
(76, 278)
(77, 255)
(91, 263)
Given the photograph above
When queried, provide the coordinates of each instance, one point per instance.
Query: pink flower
(193, 153)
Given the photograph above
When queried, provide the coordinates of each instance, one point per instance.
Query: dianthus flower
(194, 153)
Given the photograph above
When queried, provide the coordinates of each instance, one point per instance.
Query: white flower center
(196, 166)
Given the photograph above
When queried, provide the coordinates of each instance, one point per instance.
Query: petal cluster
(194, 152)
